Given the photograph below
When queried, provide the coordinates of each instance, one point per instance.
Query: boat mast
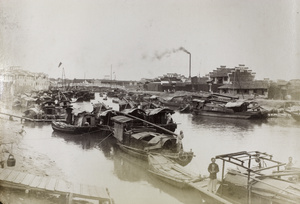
(110, 76)
(63, 76)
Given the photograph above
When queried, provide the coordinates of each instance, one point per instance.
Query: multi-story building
(238, 81)
(15, 80)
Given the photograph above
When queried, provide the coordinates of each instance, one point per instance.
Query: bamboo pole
(145, 121)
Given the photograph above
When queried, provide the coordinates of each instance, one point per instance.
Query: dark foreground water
(90, 159)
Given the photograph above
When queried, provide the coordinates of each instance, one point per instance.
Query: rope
(104, 139)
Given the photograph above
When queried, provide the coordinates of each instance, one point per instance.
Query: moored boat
(170, 172)
(63, 127)
(258, 180)
(233, 109)
(76, 123)
(185, 109)
(139, 140)
(161, 117)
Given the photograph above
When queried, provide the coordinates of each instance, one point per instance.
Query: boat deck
(173, 173)
(21, 180)
(202, 187)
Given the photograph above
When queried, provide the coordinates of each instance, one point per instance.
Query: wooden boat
(264, 187)
(228, 109)
(183, 158)
(76, 123)
(84, 96)
(115, 100)
(159, 116)
(295, 115)
(170, 172)
(138, 140)
(72, 129)
(185, 109)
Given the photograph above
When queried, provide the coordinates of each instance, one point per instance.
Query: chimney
(190, 61)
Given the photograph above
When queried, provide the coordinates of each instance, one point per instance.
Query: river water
(90, 159)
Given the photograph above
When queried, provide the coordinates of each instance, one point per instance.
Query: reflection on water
(128, 168)
(93, 158)
(228, 123)
(86, 140)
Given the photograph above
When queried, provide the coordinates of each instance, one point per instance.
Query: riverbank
(268, 104)
(27, 161)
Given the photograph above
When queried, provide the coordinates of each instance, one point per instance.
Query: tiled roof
(221, 72)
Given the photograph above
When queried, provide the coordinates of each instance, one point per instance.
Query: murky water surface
(89, 158)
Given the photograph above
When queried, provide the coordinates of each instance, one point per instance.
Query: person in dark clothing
(213, 169)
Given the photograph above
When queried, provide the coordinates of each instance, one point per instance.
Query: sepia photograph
(149, 102)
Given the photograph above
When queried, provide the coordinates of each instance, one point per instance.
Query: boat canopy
(153, 97)
(150, 137)
(226, 96)
(133, 110)
(32, 110)
(101, 105)
(243, 159)
(234, 104)
(105, 113)
(121, 119)
(160, 110)
(198, 100)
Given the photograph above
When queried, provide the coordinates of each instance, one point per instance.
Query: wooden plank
(76, 188)
(63, 186)
(12, 176)
(20, 177)
(44, 182)
(51, 184)
(84, 190)
(28, 179)
(5, 174)
(203, 189)
(36, 181)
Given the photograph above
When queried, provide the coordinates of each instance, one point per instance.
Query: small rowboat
(169, 171)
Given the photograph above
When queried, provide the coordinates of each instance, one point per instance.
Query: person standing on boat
(290, 164)
(179, 141)
(169, 118)
(213, 169)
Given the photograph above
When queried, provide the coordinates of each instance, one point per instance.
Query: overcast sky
(141, 38)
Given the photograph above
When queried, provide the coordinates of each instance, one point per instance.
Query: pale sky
(140, 38)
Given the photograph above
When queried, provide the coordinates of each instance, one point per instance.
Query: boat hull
(182, 158)
(169, 180)
(236, 115)
(71, 129)
(170, 172)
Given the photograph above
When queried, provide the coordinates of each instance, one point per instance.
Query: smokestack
(160, 56)
(190, 59)
(190, 62)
